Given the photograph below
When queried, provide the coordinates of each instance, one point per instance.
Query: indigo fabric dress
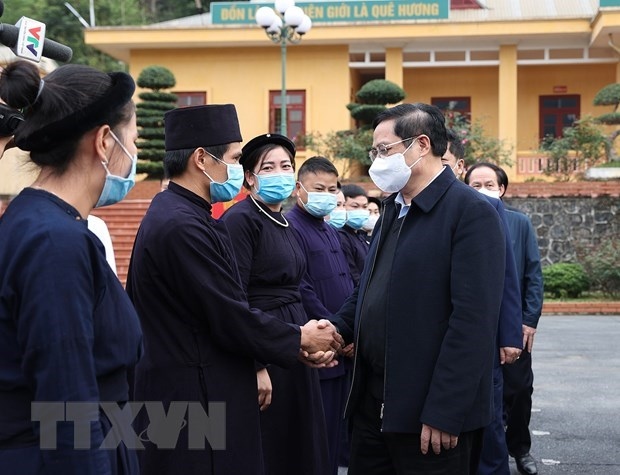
(271, 265)
(324, 288)
(201, 338)
(68, 333)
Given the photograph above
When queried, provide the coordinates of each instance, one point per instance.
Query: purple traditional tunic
(325, 287)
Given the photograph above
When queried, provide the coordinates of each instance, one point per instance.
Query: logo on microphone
(30, 39)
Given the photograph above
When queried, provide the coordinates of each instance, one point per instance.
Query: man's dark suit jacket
(443, 301)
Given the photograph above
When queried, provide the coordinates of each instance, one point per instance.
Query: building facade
(523, 68)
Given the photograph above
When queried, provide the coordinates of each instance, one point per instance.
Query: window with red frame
(295, 113)
(556, 113)
(462, 105)
(189, 99)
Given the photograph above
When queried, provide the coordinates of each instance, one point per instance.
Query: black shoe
(526, 464)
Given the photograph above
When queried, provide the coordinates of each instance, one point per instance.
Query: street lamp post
(287, 23)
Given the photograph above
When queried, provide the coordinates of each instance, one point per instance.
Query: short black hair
(316, 164)
(416, 119)
(175, 161)
(375, 200)
(353, 191)
(455, 145)
(502, 178)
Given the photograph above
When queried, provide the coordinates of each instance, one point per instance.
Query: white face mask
(392, 173)
(491, 193)
(370, 223)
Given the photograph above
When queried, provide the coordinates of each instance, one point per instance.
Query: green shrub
(380, 92)
(150, 118)
(603, 268)
(157, 96)
(366, 113)
(156, 78)
(565, 280)
(155, 169)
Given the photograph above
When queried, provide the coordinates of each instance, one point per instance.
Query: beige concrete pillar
(394, 65)
(507, 104)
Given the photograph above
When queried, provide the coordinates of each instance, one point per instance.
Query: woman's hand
(264, 389)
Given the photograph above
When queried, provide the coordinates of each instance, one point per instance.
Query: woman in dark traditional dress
(68, 331)
(271, 265)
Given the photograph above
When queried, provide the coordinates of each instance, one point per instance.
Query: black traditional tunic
(68, 333)
(201, 337)
(272, 265)
(355, 248)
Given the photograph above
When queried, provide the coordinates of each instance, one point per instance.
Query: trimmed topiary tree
(373, 97)
(610, 96)
(352, 145)
(150, 118)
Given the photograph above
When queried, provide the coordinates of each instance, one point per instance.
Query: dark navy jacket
(443, 301)
(527, 259)
(355, 248)
(509, 329)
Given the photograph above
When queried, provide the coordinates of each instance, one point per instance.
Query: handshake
(320, 341)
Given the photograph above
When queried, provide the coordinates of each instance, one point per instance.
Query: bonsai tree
(150, 118)
(610, 96)
(353, 145)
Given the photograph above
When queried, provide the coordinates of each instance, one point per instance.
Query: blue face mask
(117, 187)
(337, 218)
(226, 191)
(357, 217)
(273, 189)
(319, 204)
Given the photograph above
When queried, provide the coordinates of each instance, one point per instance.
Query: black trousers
(518, 389)
(376, 453)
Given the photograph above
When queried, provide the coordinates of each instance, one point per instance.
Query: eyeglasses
(381, 150)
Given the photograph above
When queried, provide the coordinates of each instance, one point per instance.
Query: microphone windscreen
(51, 49)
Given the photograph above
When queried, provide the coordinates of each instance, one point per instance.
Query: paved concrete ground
(576, 404)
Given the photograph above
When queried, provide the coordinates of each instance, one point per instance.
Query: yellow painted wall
(478, 83)
(244, 77)
(535, 81)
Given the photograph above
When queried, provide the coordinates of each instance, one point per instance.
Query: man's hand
(264, 389)
(437, 439)
(528, 338)
(319, 359)
(320, 335)
(508, 354)
(348, 351)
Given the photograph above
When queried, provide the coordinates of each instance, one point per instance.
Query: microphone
(10, 36)
(27, 37)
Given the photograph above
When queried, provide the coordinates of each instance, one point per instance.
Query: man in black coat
(424, 317)
(201, 337)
